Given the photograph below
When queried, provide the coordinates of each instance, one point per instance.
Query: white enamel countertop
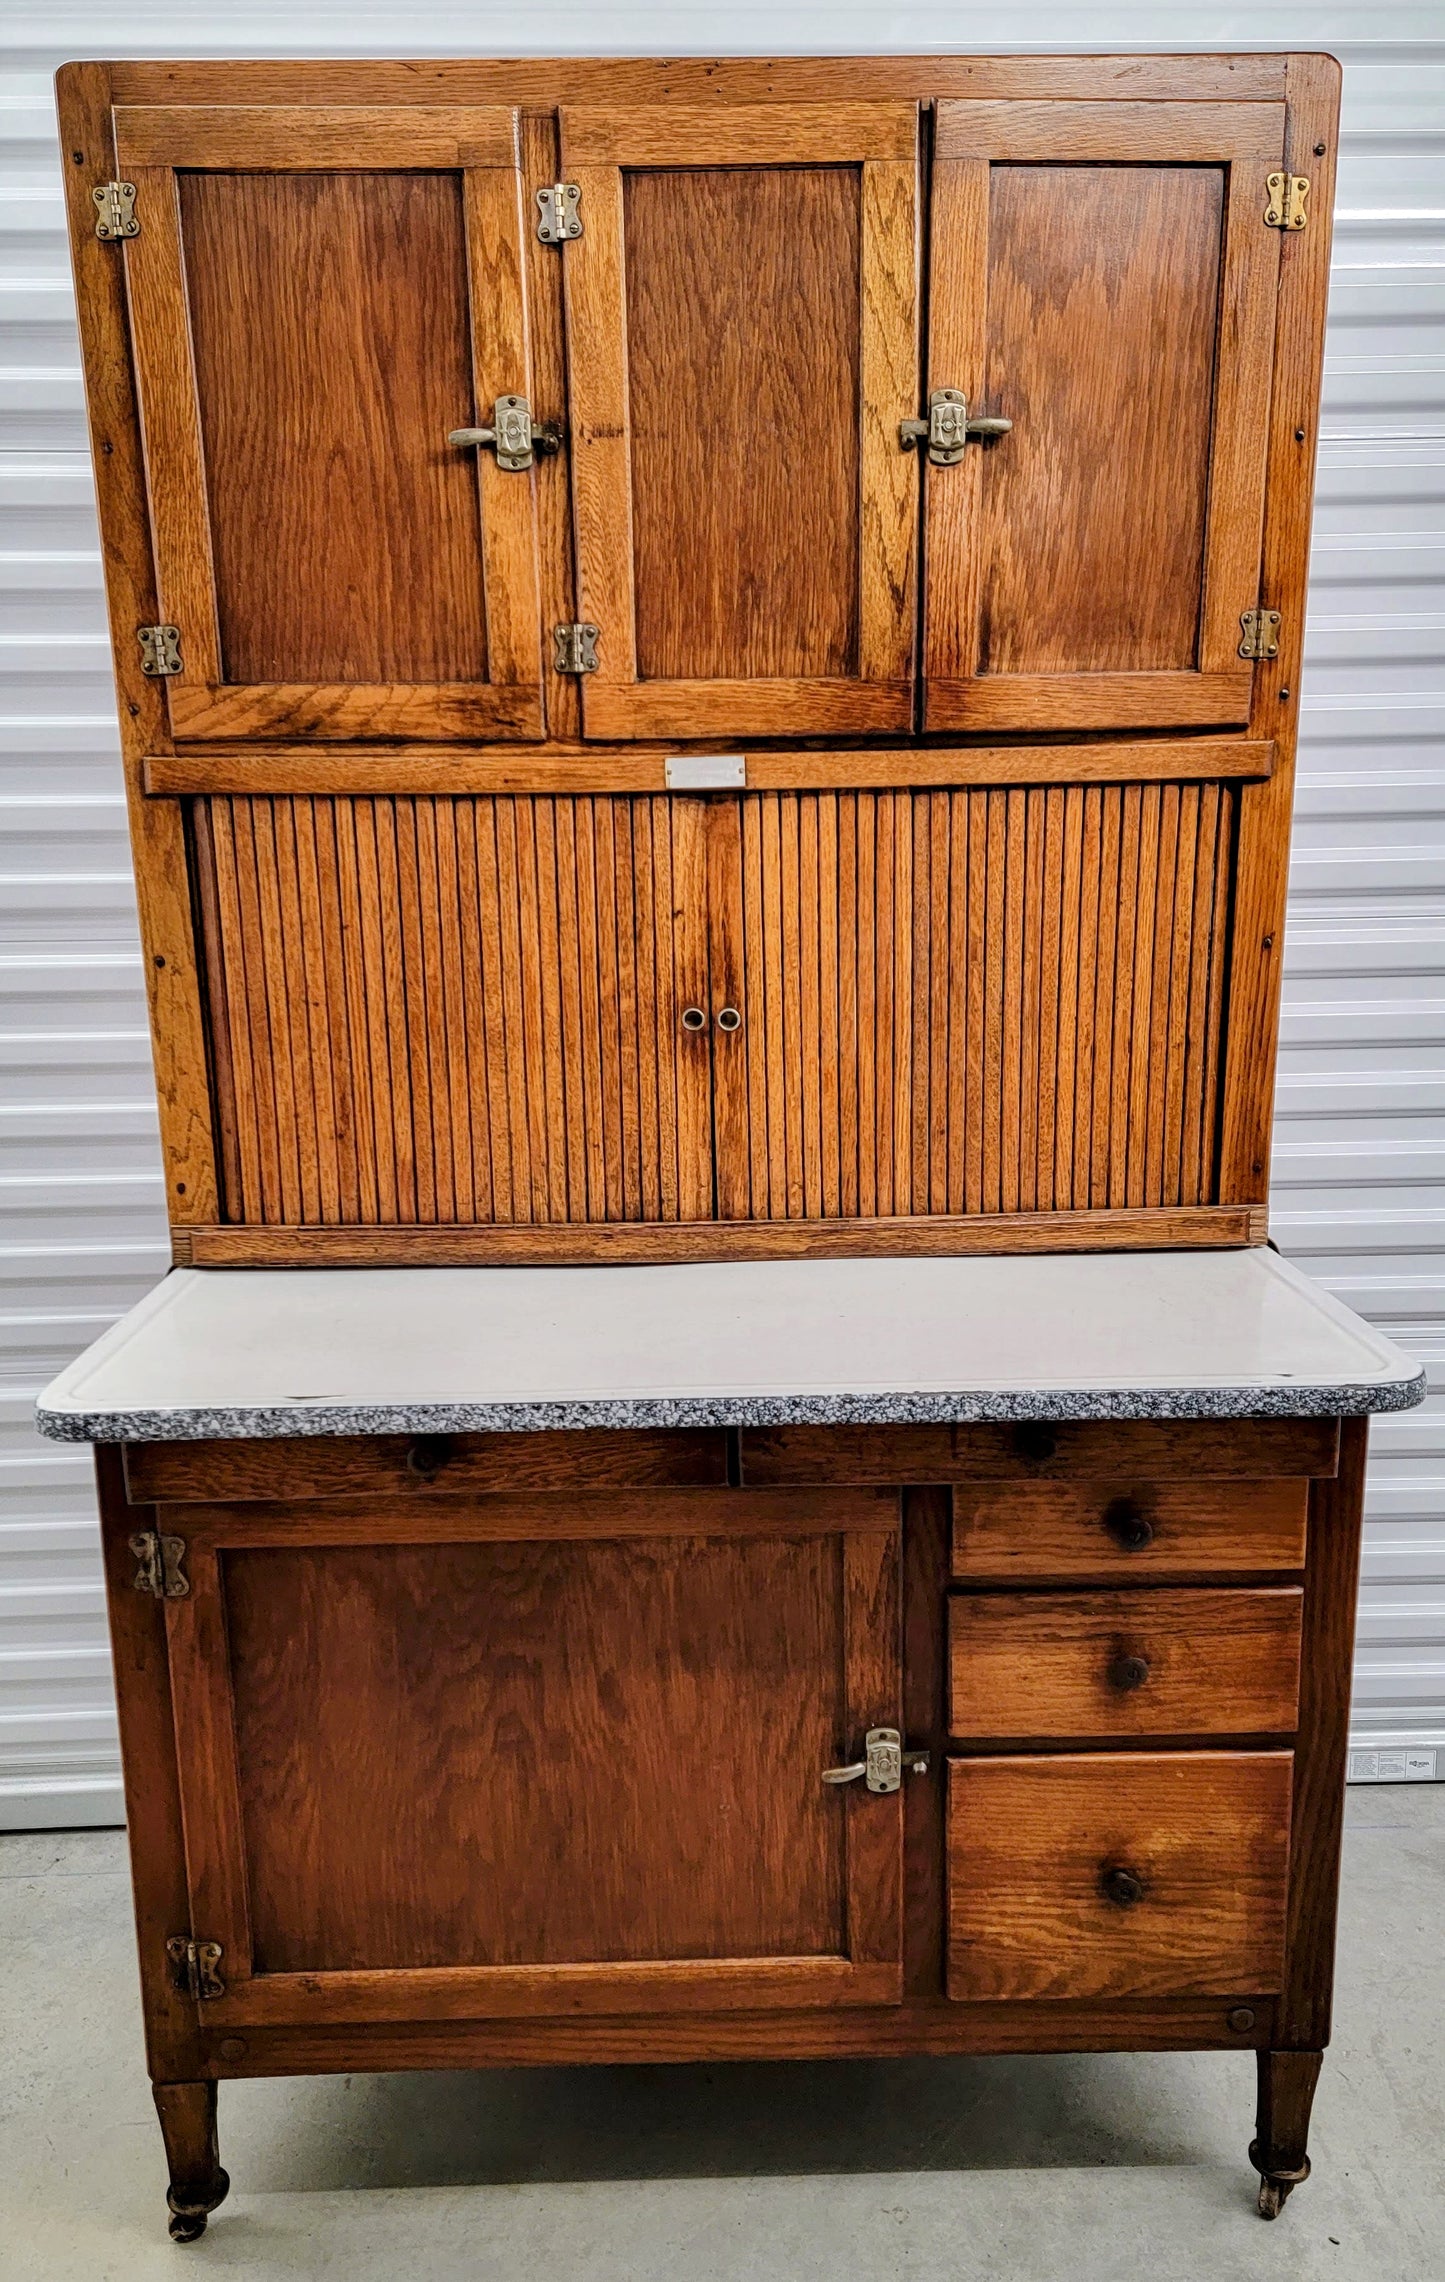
(258, 1352)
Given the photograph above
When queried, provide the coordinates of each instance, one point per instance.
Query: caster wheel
(1273, 2195)
(187, 2226)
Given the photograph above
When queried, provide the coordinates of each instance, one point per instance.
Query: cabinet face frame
(1245, 139)
(867, 1526)
(156, 145)
(597, 148)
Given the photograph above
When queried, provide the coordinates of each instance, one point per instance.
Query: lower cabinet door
(1131, 1874)
(520, 1755)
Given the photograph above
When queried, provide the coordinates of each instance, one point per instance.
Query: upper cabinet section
(1102, 309)
(318, 299)
(742, 346)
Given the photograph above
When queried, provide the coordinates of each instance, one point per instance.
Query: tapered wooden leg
(1287, 2083)
(198, 2184)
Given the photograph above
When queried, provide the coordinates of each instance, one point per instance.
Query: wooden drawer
(1007, 1531)
(1183, 1450)
(1131, 1875)
(319, 1466)
(1124, 1664)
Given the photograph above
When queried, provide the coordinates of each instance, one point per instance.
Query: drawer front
(321, 1466)
(1006, 1531)
(1185, 1450)
(1124, 1664)
(1132, 1875)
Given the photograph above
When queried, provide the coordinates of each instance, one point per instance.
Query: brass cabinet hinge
(1286, 207)
(160, 650)
(115, 207)
(514, 435)
(1261, 634)
(158, 1565)
(559, 202)
(948, 429)
(576, 649)
(195, 1967)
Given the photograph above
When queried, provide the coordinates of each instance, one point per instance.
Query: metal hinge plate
(576, 649)
(1286, 207)
(559, 202)
(115, 207)
(158, 1565)
(195, 1967)
(160, 650)
(1261, 634)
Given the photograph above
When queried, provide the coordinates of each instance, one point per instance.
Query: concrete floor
(1128, 2169)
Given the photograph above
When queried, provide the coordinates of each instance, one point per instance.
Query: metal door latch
(558, 203)
(948, 428)
(882, 1765)
(515, 434)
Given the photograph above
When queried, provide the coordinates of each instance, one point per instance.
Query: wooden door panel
(317, 299)
(1102, 277)
(458, 1011)
(484, 1774)
(968, 1002)
(742, 342)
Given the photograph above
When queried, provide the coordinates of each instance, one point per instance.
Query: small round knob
(1037, 1443)
(1128, 1672)
(728, 1018)
(428, 1454)
(1128, 1525)
(1119, 1884)
(693, 1018)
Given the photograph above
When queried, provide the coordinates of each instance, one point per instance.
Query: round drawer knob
(1128, 1672)
(1036, 1443)
(693, 1018)
(728, 1018)
(427, 1456)
(1128, 1525)
(1119, 1884)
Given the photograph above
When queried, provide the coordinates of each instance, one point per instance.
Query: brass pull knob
(1128, 1672)
(1130, 1528)
(1121, 1885)
(693, 1018)
(728, 1018)
(514, 434)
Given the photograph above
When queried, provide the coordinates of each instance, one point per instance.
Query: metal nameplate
(706, 772)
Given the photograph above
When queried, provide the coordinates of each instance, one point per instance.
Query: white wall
(1359, 1170)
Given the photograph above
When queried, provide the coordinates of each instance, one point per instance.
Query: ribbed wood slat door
(970, 1002)
(457, 1010)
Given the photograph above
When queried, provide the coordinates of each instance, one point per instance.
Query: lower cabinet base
(198, 2185)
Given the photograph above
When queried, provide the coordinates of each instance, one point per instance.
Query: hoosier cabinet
(708, 657)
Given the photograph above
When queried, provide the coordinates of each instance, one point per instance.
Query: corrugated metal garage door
(1360, 1179)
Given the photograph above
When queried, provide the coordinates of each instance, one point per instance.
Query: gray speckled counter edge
(260, 1422)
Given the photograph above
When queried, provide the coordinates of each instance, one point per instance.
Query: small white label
(1397, 1766)
(706, 772)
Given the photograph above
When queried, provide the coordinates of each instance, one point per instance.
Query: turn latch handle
(948, 428)
(514, 434)
(883, 1762)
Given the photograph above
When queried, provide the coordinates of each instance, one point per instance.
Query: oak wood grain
(1222, 1661)
(1127, 1528)
(1089, 1452)
(1032, 1842)
(423, 1466)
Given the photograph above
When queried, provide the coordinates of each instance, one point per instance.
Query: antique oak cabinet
(708, 658)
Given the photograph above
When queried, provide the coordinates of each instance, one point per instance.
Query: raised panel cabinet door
(742, 342)
(1102, 280)
(548, 1755)
(318, 299)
